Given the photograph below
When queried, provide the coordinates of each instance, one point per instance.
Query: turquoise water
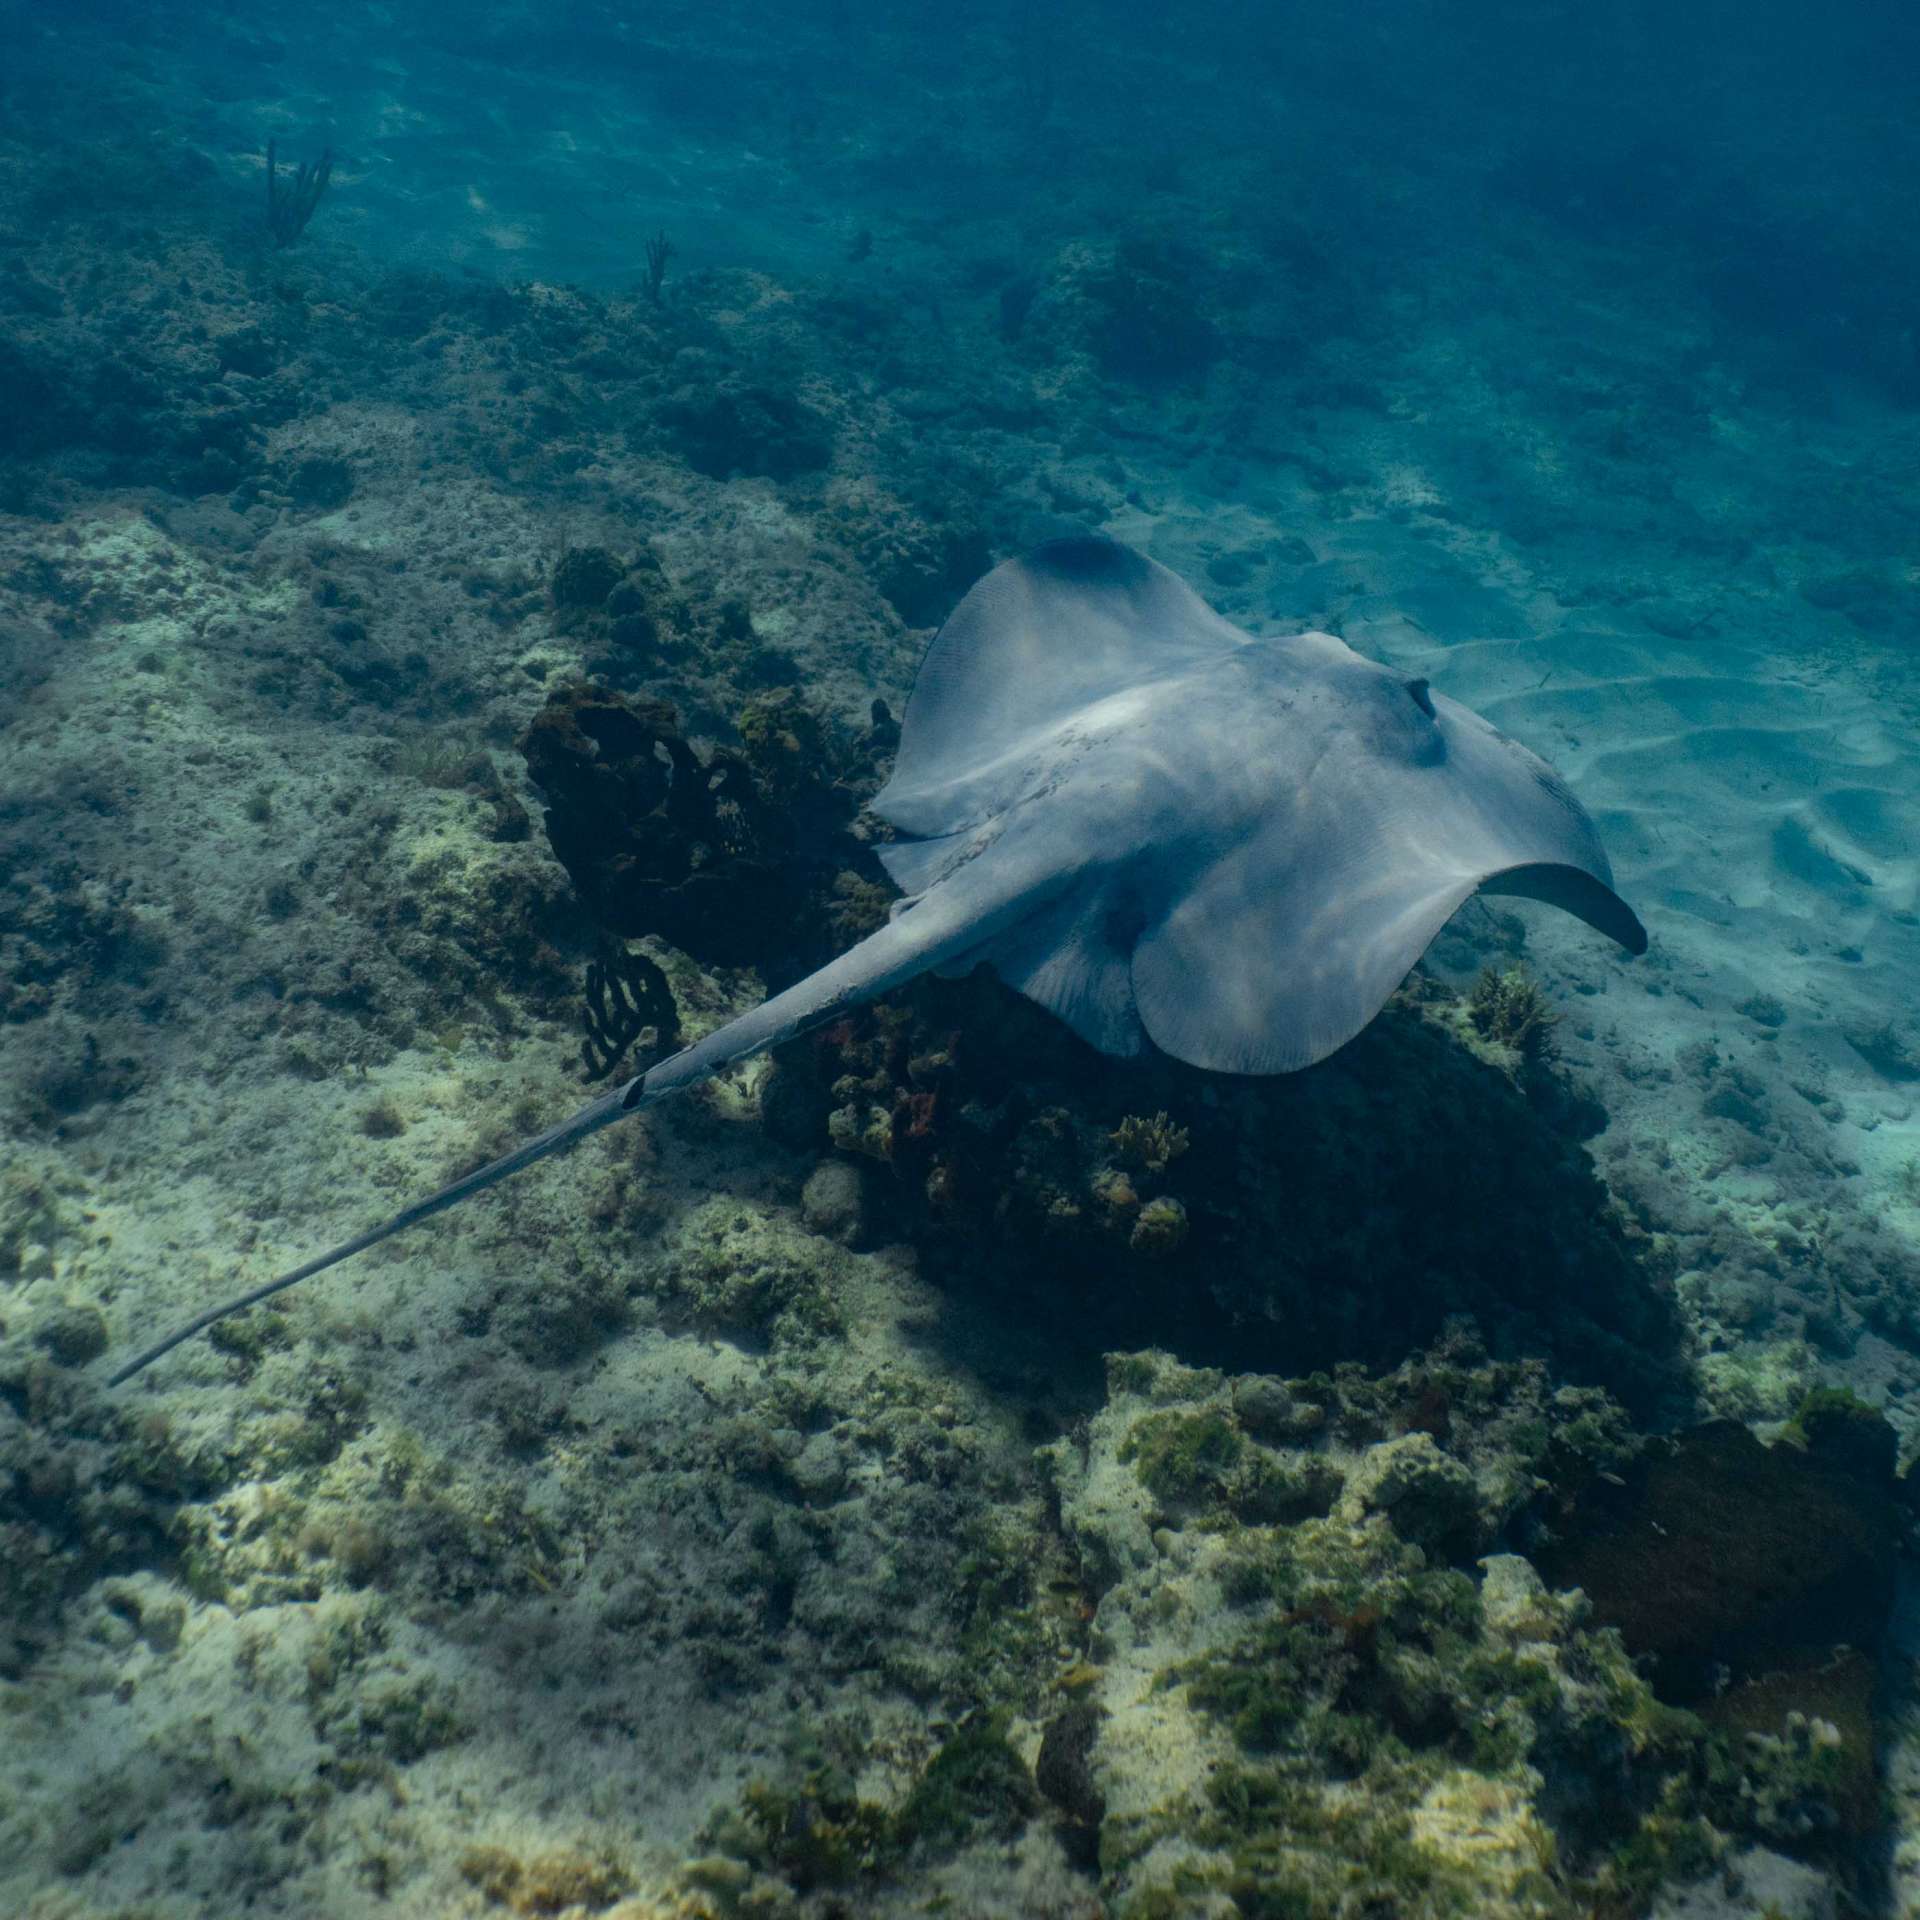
(940, 1467)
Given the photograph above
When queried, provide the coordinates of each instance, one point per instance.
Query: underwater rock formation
(85, 1491)
(1720, 1555)
(1310, 1676)
(746, 427)
(627, 615)
(1329, 1713)
(732, 856)
(1151, 323)
(1347, 1210)
(922, 554)
(1136, 311)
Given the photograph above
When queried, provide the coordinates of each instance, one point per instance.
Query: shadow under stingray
(1069, 1204)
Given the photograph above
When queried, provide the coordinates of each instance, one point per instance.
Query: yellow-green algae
(1350, 1707)
(1321, 1717)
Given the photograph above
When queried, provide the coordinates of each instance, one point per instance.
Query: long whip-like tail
(603, 1112)
(908, 945)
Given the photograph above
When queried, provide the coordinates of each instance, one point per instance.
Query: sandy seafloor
(491, 1573)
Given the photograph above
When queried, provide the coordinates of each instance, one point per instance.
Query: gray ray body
(1160, 828)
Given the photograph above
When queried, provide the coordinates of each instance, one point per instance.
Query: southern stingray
(1160, 828)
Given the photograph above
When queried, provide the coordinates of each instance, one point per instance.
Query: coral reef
(1332, 1713)
(1337, 1700)
(1344, 1208)
(738, 857)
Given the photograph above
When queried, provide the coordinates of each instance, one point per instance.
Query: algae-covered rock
(559, 1881)
(1842, 1430)
(738, 1270)
(1316, 1716)
(1161, 1227)
(1430, 1497)
(72, 1334)
(1516, 1605)
(833, 1203)
(87, 1490)
(922, 558)
(34, 1219)
(743, 427)
(583, 577)
(1186, 1457)
(1486, 1834)
(1140, 308)
(976, 1783)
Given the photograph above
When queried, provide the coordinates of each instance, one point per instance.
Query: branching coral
(627, 994)
(290, 208)
(1510, 1009)
(1153, 1145)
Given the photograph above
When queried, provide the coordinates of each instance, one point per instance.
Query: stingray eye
(1421, 698)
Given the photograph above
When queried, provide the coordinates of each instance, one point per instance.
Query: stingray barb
(1166, 831)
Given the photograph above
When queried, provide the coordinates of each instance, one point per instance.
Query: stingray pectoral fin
(1038, 640)
(1284, 947)
(1573, 891)
(1264, 971)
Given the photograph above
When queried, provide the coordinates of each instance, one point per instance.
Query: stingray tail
(910, 944)
(603, 1112)
(925, 935)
